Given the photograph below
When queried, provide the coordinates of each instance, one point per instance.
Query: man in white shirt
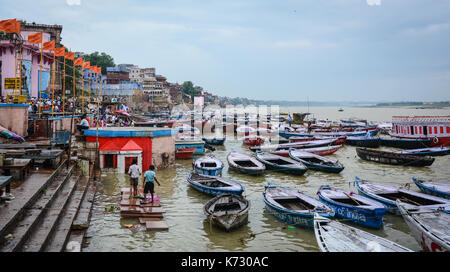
(135, 173)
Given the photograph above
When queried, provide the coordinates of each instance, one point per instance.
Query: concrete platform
(156, 225)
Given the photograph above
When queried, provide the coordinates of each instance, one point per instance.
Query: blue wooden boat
(287, 134)
(387, 195)
(363, 141)
(214, 141)
(316, 162)
(282, 164)
(214, 185)
(191, 142)
(405, 143)
(245, 164)
(439, 189)
(430, 151)
(293, 207)
(352, 207)
(208, 165)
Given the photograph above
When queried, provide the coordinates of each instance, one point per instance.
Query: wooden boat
(244, 163)
(282, 164)
(439, 189)
(405, 143)
(339, 140)
(316, 162)
(253, 140)
(287, 134)
(321, 151)
(387, 195)
(293, 207)
(428, 226)
(430, 151)
(227, 211)
(298, 145)
(363, 141)
(393, 158)
(333, 236)
(208, 165)
(191, 142)
(352, 207)
(214, 141)
(184, 153)
(214, 185)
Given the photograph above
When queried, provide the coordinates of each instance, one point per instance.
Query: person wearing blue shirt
(149, 182)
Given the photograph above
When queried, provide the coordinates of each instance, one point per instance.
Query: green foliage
(189, 89)
(100, 59)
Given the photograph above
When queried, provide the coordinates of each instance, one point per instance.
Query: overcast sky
(323, 50)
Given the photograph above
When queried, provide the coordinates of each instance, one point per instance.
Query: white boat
(333, 236)
(430, 227)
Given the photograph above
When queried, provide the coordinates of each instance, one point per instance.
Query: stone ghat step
(61, 233)
(32, 215)
(81, 222)
(25, 195)
(156, 225)
(39, 238)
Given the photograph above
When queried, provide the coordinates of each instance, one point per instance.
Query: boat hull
(431, 190)
(393, 158)
(405, 143)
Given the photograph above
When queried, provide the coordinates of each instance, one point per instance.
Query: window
(425, 130)
(442, 130)
(412, 130)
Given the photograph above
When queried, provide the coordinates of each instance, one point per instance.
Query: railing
(421, 119)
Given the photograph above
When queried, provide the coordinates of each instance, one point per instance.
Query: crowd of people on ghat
(107, 118)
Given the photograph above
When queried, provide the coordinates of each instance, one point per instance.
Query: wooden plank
(130, 209)
(130, 202)
(156, 225)
(153, 210)
(154, 204)
(154, 215)
(143, 220)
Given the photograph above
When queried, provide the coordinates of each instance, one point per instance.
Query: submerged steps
(24, 224)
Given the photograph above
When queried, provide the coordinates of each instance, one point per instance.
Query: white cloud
(373, 2)
(73, 2)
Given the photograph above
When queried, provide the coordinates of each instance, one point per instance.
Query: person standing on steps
(135, 173)
(149, 182)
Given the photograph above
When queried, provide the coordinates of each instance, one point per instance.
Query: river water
(190, 231)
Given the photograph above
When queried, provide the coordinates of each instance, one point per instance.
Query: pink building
(31, 58)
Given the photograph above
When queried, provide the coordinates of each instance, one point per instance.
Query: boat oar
(356, 201)
(410, 201)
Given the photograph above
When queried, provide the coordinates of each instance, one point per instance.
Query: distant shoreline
(411, 107)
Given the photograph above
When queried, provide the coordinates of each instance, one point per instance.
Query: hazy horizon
(316, 50)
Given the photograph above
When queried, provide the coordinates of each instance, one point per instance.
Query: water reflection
(223, 240)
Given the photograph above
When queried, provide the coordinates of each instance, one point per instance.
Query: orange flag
(60, 51)
(93, 69)
(49, 46)
(99, 70)
(35, 38)
(70, 55)
(10, 26)
(86, 65)
(78, 62)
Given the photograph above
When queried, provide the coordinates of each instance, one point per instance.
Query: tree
(189, 89)
(101, 60)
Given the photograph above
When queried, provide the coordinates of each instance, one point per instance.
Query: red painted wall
(144, 142)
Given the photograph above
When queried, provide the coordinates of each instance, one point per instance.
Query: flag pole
(20, 68)
(89, 102)
(82, 90)
(64, 85)
(40, 82)
(53, 83)
(73, 83)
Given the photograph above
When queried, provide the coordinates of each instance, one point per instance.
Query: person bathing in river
(149, 182)
(135, 173)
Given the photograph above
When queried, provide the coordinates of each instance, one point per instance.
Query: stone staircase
(44, 222)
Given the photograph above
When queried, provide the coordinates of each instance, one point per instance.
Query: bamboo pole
(89, 102)
(64, 85)
(40, 82)
(15, 70)
(82, 90)
(20, 69)
(53, 84)
(73, 83)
